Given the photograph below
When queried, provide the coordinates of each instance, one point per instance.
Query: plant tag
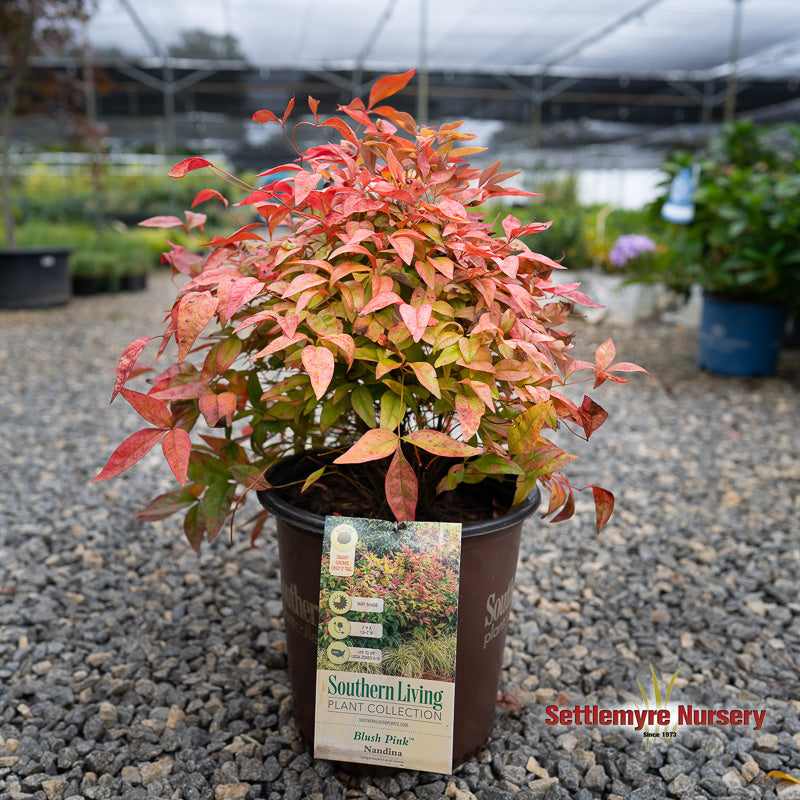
(387, 643)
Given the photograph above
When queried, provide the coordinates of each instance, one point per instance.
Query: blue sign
(679, 206)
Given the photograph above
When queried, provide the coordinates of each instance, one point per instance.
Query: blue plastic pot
(740, 338)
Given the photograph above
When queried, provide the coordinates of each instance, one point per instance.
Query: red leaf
(135, 447)
(162, 222)
(592, 416)
(318, 362)
(343, 128)
(558, 496)
(265, 116)
(150, 408)
(389, 85)
(187, 165)
(289, 107)
(313, 105)
(440, 444)
(194, 312)
(568, 510)
(127, 362)
(177, 447)
(401, 487)
(374, 444)
(416, 319)
(207, 194)
(604, 506)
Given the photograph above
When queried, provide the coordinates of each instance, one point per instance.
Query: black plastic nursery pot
(489, 552)
(34, 277)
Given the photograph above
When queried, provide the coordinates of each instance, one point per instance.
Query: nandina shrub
(374, 317)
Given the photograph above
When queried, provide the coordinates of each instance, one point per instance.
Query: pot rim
(315, 523)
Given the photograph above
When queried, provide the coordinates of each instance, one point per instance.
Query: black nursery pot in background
(489, 552)
(34, 277)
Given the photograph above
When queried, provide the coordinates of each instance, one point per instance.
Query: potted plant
(743, 245)
(31, 276)
(386, 356)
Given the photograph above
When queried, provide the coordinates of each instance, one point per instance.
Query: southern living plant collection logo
(656, 718)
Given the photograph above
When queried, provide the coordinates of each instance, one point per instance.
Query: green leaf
(194, 527)
(166, 504)
(524, 432)
(393, 409)
(216, 503)
(440, 444)
(249, 476)
(330, 413)
(361, 400)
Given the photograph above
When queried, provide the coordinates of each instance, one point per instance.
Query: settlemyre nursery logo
(656, 718)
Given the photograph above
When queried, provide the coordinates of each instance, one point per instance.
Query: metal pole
(736, 40)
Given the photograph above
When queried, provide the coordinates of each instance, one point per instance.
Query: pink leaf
(177, 447)
(242, 292)
(194, 220)
(304, 184)
(511, 225)
(469, 410)
(401, 487)
(380, 301)
(416, 319)
(187, 165)
(280, 343)
(215, 407)
(162, 222)
(302, 282)
(127, 362)
(426, 375)
(453, 209)
(134, 448)
(345, 343)
(319, 363)
(194, 312)
(404, 247)
(440, 444)
(375, 444)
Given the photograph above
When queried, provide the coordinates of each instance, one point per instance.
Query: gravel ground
(132, 668)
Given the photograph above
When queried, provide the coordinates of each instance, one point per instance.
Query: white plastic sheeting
(679, 38)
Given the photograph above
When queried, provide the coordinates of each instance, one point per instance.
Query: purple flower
(629, 247)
